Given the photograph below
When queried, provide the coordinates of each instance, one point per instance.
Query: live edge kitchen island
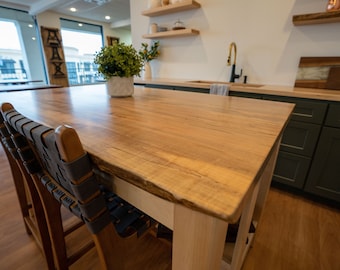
(308, 158)
(192, 161)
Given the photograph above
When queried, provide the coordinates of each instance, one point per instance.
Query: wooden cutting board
(319, 72)
(333, 81)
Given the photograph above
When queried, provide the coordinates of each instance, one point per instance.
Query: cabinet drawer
(300, 138)
(291, 169)
(305, 111)
(333, 116)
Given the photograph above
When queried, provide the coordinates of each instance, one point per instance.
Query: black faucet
(233, 75)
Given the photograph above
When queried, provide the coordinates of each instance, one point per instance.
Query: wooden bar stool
(30, 205)
(55, 248)
(63, 172)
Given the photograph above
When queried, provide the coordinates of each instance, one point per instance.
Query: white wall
(269, 45)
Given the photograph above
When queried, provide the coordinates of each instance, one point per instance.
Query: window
(10, 53)
(72, 73)
(21, 59)
(87, 66)
(81, 41)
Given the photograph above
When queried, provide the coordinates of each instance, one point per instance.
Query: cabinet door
(324, 175)
(300, 138)
(291, 169)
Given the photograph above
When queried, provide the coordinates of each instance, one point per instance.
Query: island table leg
(198, 240)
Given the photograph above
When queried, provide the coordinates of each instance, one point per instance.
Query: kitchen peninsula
(194, 162)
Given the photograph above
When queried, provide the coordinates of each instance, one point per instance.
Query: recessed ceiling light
(72, 9)
(30, 25)
(107, 17)
(80, 24)
(33, 38)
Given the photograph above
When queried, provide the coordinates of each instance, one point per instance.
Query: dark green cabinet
(299, 141)
(309, 155)
(324, 176)
(296, 150)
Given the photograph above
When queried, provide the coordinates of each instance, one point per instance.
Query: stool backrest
(57, 159)
(35, 222)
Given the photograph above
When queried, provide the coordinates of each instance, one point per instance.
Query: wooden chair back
(30, 205)
(50, 223)
(67, 174)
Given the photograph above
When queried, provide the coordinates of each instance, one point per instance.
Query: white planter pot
(120, 86)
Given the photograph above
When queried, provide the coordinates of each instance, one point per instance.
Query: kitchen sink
(233, 84)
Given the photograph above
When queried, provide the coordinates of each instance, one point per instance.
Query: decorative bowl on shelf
(178, 25)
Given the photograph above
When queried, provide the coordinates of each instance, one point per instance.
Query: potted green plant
(118, 64)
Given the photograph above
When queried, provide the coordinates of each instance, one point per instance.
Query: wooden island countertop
(204, 154)
(195, 139)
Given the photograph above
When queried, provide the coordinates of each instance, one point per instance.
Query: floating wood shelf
(172, 8)
(317, 18)
(173, 33)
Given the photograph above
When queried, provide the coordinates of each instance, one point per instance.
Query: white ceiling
(118, 10)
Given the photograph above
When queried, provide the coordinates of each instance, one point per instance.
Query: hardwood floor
(294, 234)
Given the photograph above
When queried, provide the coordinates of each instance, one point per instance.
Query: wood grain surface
(201, 151)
